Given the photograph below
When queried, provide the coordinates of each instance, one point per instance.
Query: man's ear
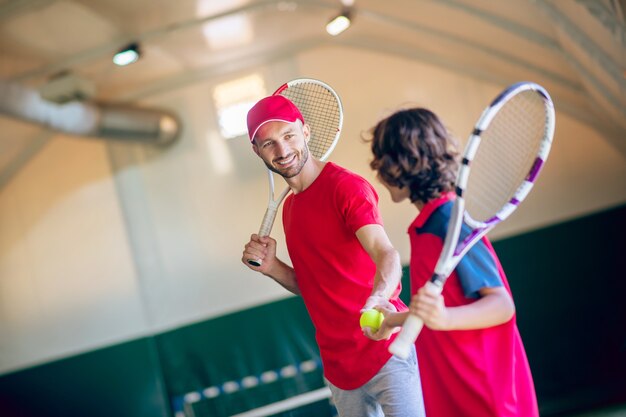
(306, 130)
(255, 148)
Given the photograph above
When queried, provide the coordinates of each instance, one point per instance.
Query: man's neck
(309, 173)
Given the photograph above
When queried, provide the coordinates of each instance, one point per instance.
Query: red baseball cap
(272, 109)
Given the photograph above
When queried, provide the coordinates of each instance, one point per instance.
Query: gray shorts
(395, 391)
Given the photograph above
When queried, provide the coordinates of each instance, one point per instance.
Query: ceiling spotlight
(340, 22)
(127, 55)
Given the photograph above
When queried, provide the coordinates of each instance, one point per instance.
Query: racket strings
(508, 150)
(321, 112)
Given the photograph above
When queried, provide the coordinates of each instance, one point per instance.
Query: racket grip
(401, 346)
(266, 228)
(268, 221)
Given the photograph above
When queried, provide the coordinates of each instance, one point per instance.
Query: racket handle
(266, 228)
(268, 221)
(401, 346)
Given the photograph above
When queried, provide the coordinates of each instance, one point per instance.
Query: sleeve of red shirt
(358, 202)
(478, 269)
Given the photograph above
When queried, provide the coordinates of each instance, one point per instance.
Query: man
(343, 263)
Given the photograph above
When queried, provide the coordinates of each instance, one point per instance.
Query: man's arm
(263, 248)
(376, 243)
(285, 276)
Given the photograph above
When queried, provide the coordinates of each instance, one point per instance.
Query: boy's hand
(428, 304)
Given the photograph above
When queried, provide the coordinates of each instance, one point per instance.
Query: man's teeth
(287, 161)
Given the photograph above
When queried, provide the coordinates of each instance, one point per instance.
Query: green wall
(215, 362)
(256, 345)
(121, 381)
(568, 284)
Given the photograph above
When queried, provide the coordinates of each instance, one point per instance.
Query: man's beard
(293, 171)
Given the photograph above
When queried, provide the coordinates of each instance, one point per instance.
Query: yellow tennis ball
(372, 319)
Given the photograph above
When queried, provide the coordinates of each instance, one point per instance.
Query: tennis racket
(322, 110)
(501, 162)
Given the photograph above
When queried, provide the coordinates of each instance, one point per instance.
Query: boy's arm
(494, 307)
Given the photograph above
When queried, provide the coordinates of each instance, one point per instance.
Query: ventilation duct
(89, 119)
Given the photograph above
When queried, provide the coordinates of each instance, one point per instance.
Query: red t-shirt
(481, 372)
(335, 274)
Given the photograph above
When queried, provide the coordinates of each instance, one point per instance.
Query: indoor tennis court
(128, 189)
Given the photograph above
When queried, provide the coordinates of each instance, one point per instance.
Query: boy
(472, 359)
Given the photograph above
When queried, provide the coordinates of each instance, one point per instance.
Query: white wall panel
(67, 281)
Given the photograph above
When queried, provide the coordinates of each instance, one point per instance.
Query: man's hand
(262, 249)
(384, 306)
(387, 328)
(374, 301)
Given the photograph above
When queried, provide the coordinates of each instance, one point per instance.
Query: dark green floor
(615, 411)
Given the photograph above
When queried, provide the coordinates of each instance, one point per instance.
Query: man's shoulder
(341, 174)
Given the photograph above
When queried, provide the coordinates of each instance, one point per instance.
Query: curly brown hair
(412, 148)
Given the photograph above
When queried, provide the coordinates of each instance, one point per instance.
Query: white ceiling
(576, 49)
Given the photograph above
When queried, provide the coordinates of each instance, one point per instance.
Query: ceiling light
(339, 23)
(127, 55)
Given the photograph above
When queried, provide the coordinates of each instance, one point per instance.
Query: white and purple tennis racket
(322, 110)
(502, 159)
